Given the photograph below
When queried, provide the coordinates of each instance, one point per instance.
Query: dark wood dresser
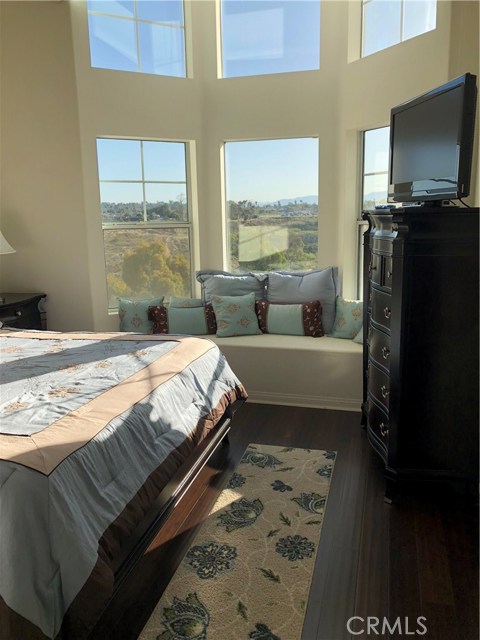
(23, 310)
(420, 401)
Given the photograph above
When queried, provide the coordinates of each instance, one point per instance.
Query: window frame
(227, 260)
(153, 224)
(221, 63)
(362, 224)
(401, 38)
(136, 20)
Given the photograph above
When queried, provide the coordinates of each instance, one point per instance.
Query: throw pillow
(223, 283)
(305, 286)
(359, 337)
(197, 321)
(235, 315)
(290, 319)
(348, 318)
(133, 314)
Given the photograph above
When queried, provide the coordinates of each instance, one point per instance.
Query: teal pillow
(198, 321)
(235, 315)
(359, 337)
(348, 318)
(177, 301)
(133, 314)
(290, 319)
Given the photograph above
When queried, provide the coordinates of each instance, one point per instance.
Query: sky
(270, 170)
(260, 170)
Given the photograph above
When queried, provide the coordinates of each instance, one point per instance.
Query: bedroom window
(145, 218)
(146, 36)
(376, 145)
(272, 204)
(271, 36)
(388, 22)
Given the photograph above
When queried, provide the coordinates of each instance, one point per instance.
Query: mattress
(92, 427)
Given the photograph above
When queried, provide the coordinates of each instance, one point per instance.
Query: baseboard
(316, 402)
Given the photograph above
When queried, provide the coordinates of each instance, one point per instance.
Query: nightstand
(23, 310)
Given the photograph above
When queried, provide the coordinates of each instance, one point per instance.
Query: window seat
(297, 370)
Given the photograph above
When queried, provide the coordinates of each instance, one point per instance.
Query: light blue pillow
(305, 286)
(223, 283)
(359, 337)
(133, 314)
(235, 315)
(198, 321)
(301, 319)
(184, 303)
(348, 318)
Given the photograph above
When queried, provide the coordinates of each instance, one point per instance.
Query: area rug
(249, 570)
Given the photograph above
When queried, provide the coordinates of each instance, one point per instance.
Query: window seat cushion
(321, 372)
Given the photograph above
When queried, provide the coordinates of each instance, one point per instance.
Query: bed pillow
(348, 318)
(303, 319)
(223, 283)
(133, 314)
(235, 315)
(177, 301)
(198, 321)
(305, 286)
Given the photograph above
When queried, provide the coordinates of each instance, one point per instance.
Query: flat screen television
(431, 144)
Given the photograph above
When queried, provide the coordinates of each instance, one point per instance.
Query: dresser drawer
(378, 422)
(387, 272)
(22, 311)
(375, 268)
(379, 385)
(381, 308)
(379, 347)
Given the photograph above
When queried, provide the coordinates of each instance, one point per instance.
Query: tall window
(145, 218)
(376, 144)
(388, 22)
(272, 204)
(269, 36)
(147, 36)
(375, 167)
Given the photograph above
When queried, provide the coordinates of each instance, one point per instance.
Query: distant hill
(376, 196)
(283, 201)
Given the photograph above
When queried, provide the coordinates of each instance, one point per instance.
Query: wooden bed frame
(169, 497)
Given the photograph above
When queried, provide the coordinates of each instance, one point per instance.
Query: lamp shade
(5, 247)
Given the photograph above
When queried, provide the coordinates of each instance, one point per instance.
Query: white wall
(54, 105)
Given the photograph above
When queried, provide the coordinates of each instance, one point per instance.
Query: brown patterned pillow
(196, 321)
(300, 319)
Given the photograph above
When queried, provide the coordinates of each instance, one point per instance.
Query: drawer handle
(383, 429)
(385, 392)
(385, 353)
(387, 312)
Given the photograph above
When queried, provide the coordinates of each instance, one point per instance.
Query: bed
(100, 435)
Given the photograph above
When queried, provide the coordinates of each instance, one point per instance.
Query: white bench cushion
(297, 370)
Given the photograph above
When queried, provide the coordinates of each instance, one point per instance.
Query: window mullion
(137, 38)
(402, 19)
(143, 180)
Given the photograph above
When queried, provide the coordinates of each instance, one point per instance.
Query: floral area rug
(248, 573)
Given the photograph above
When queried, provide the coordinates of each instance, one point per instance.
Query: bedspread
(91, 428)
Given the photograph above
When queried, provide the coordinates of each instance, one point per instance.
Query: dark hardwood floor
(416, 557)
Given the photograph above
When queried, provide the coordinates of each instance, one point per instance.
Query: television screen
(431, 144)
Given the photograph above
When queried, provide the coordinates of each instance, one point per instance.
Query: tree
(149, 270)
